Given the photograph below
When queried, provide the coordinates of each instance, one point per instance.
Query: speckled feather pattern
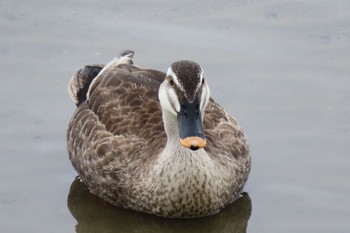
(118, 146)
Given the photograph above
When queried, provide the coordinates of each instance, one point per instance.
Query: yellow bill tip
(193, 143)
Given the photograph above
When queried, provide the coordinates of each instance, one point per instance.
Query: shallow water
(281, 67)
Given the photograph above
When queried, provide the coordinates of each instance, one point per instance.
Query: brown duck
(155, 142)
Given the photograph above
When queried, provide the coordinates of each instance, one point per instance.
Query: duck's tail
(79, 84)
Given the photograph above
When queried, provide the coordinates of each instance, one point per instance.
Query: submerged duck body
(155, 142)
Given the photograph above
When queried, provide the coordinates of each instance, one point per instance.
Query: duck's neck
(182, 178)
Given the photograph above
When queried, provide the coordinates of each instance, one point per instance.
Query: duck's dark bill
(190, 125)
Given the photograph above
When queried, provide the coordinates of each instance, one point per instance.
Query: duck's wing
(119, 126)
(224, 135)
(125, 100)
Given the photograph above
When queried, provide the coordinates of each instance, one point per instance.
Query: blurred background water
(281, 67)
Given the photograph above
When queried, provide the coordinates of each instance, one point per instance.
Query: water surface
(281, 67)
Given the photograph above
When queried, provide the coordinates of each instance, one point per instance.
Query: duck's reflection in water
(94, 215)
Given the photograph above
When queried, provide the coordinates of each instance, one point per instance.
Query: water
(94, 215)
(281, 67)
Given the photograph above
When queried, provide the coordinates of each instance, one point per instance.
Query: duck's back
(125, 100)
(106, 135)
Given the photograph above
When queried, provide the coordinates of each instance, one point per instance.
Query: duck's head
(185, 94)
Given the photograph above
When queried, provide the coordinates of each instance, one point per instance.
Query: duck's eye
(202, 81)
(171, 82)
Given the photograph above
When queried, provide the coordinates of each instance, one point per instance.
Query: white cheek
(204, 98)
(174, 100)
(165, 96)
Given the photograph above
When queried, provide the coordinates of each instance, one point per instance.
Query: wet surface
(281, 67)
(94, 215)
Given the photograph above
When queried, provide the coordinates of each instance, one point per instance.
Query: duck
(155, 142)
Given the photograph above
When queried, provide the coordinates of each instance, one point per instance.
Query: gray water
(281, 67)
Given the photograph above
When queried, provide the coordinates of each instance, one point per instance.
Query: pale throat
(173, 146)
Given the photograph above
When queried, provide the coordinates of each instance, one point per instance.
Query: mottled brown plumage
(124, 142)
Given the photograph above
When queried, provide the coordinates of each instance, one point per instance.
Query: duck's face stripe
(171, 76)
(173, 99)
(203, 95)
(188, 76)
(168, 95)
(186, 81)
